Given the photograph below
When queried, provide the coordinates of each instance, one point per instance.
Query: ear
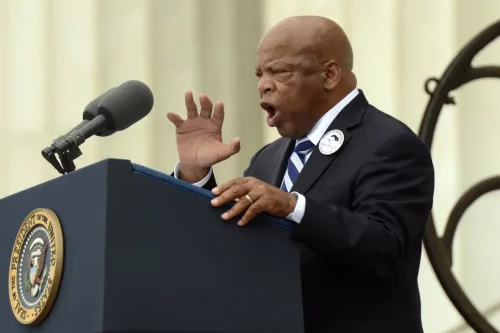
(332, 73)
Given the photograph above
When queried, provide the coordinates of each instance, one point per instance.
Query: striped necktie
(296, 163)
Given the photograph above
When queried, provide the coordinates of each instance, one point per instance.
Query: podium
(141, 251)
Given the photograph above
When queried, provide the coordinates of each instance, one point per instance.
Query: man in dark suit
(358, 183)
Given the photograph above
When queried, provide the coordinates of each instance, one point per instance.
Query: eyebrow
(279, 62)
(274, 63)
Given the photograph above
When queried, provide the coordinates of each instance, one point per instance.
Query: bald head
(304, 68)
(313, 35)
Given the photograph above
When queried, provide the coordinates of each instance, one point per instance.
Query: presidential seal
(36, 266)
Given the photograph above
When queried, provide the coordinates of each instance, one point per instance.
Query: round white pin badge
(331, 142)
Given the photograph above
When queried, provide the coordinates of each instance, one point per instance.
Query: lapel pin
(331, 142)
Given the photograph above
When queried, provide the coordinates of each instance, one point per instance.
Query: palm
(199, 137)
(199, 143)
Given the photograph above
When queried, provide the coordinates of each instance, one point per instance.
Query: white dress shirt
(314, 135)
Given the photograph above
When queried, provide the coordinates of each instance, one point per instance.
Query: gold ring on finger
(249, 199)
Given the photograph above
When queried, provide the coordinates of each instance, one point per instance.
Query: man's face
(291, 87)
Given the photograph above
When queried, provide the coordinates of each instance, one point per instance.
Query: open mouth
(272, 113)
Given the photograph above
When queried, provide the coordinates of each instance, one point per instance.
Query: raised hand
(199, 138)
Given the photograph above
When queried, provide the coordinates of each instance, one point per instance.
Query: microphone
(89, 113)
(117, 110)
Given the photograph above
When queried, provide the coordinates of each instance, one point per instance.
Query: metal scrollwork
(439, 249)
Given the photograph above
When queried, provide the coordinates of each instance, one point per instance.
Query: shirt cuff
(201, 183)
(300, 208)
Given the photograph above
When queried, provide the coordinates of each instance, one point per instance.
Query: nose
(265, 86)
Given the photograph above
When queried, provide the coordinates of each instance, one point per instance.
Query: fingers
(225, 186)
(175, 119)
(230, 190)
(235, 146)
(256, 208)
(250, 209)
(192, 110)
(232, 148)
(242, 205)
(206, 106)
(238, 189)
(218, 118)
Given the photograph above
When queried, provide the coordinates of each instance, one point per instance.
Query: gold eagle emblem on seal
(36, 266)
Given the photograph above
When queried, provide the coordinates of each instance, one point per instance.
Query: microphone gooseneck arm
(68, 148)
(49, 153)
(115, 110)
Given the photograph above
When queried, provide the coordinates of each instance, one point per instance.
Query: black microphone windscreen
(90, 112)
(126, 104)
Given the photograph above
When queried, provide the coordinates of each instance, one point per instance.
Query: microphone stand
(66, 156)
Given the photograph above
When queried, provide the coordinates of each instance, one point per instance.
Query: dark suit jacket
(361, 235)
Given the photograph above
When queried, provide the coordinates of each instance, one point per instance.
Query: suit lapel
(281, 160)
(317, 163)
